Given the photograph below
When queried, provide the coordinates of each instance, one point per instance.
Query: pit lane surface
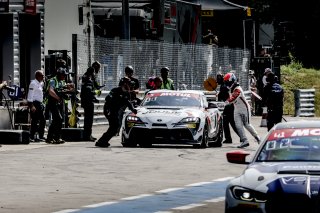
(76, 176)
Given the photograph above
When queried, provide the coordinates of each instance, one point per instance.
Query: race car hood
(287, 177)
(165, 115)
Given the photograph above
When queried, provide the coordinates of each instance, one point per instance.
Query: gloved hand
(99, 87)
(98, 92)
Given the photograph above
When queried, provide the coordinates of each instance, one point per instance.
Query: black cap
(164, 69)
(128, 69)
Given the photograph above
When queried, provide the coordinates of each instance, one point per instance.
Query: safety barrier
(304, 102)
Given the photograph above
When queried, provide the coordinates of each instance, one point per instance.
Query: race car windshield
(291, 149)
(171, 100)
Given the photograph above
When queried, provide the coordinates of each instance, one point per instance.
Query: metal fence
(189, 64)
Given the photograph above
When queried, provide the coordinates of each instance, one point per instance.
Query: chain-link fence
(189, 64)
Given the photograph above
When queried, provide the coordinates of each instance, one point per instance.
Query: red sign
(30, 6)
(4, 6)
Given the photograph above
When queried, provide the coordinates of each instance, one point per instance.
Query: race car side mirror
(237, 156)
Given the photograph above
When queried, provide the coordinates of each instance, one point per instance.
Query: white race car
(174, 117)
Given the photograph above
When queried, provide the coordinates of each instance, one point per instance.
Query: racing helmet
(128, 69)
(229, 78)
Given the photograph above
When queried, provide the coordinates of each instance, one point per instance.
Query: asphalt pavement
(40, 177)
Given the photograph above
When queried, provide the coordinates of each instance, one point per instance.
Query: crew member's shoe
(227, 141)
(58, 141)
(50, 141)
(104, 145)
(243, 144)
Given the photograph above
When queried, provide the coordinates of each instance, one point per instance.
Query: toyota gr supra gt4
(283, 175)
(174, 117)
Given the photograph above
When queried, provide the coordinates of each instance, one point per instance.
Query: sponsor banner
(4, 6)
(30, 6)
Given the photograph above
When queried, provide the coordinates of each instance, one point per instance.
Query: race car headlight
(249, 195)
(190, 122)
(134, 121)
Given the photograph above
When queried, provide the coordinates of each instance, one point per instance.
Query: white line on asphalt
(67, 211)
(136, 197)
(160, 191)
(199, 184)
(215, 200)
(190, 206)
(99, 204)
(168, 190)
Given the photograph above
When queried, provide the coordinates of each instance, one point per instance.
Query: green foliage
(293, 77)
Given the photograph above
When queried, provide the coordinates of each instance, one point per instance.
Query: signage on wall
(170, 14)
(4, 6)
(30, 6)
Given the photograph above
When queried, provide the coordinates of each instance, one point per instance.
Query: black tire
(127, 142)
(204, 142)
(219, 138)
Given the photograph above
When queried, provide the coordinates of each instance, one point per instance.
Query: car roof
(177, 91)
(298, 124)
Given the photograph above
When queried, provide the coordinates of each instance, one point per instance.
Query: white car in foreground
(174, 117)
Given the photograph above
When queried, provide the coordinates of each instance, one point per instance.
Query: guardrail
(304, 102)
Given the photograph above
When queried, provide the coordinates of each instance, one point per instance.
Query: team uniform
(242, 111)
(115, 103)
(273, 95)
(35, 98)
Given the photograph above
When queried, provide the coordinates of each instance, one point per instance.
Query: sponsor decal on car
(173, 94)
(289, 133)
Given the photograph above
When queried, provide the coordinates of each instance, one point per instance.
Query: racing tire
(204, 143)
(219, 139)
(127, 142)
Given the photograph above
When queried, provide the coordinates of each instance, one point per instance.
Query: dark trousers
(88, 119)
(38, 121)
(56, 110)
(228, 118)
(114, 123)
(273, 117)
